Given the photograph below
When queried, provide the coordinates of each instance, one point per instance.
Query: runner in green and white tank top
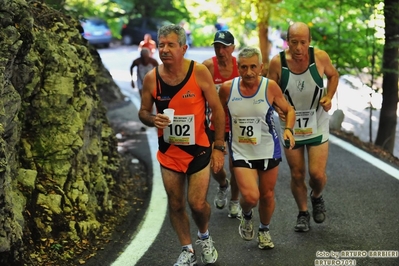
(304, 91)
(300, 70)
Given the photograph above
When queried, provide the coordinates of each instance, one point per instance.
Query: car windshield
(94, 24)
(165, 23)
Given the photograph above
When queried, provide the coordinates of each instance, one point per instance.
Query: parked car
(133, 32)
(96, 31)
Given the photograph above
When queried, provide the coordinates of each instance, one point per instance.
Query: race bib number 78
(247, 130)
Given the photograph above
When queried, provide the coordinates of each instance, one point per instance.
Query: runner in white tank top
(253, 142)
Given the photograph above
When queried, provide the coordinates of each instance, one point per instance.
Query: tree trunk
(387, 125)
(263, 10)
(264, 45)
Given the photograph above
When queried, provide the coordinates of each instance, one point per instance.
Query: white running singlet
(253, 134)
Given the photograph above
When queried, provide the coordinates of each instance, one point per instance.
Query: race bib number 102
(181, 132)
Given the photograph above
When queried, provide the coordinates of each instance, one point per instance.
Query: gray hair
(168, 29)
(248, 52)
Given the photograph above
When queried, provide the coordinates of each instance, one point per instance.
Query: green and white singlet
(304, 92)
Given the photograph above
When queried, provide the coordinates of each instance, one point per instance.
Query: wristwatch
(220, 148)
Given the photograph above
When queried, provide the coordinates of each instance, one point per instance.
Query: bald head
(298, 28)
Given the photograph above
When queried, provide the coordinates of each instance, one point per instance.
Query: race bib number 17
(306, 123)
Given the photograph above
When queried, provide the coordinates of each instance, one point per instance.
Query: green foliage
(202, 36)
(56, 247)
(118, 12)
(348, 30)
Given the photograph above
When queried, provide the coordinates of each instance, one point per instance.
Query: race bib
(306, 123)
(181, 132)
(247, 130)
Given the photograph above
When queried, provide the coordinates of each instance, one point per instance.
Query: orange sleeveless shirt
(187, 140)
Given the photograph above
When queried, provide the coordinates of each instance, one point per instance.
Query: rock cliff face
(58, 154)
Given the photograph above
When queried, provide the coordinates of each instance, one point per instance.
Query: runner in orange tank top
(185, 148)
(185, 145)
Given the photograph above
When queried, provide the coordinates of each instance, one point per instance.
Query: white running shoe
(186, 258)
(221, 196)
(209, 253)
(246, 229)
(234, 210)
(265, 240)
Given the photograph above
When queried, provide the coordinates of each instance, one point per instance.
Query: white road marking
(153, 219)
(366, 157)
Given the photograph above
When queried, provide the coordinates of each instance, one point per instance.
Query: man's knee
(298, 176)
(268, 196)
(175, 208)
(197, 205)
(176, 204)
(251, 198)
(317, 175)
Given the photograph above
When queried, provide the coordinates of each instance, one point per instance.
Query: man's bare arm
(332, 79)
(224, 93)
(209, 65)
(274, 69)
(147, 101)
(280, 102)
(204, 80)
(274, 74)
(146, 116)
(286, 109)
(134, 63)
(332, 74)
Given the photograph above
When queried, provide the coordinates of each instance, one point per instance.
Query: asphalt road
(362, 202)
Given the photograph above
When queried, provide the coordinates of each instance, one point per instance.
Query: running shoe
(221, 196)
(319, 210)
(246, 228)
(264, 239)
(234, 210)
(302, 223)
(209, 253)
(186, 258)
